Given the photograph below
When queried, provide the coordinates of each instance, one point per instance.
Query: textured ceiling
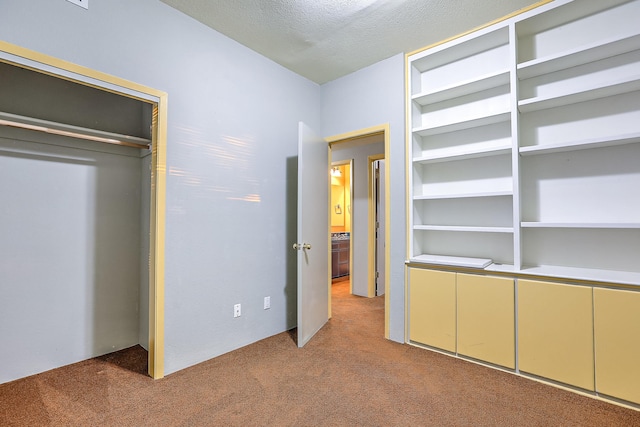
(326, 39)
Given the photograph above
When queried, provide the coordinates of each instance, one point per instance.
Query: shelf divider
(462, 155)
(613, 88)
(578, 56)
(489, 119)
(629, 138)
(488, 81)
(477, 229)
(603, 225)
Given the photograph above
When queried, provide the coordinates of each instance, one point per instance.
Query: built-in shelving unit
(525, 145)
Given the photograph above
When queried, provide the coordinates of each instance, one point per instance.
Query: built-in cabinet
(555, 332)
(524, 154)
(584, 336)
(466, 314)
(617, 342)
(432, 308)
(525, 145)
(486, 318)
(340, 250)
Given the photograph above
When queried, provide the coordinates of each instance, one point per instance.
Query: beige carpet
(348, 375)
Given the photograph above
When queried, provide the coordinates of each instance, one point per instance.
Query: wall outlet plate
(81, 3)
(267, 303)
(237, 310)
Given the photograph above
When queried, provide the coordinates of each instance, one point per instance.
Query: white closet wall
(70, 254)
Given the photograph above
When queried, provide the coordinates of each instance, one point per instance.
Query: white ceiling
(326, 39)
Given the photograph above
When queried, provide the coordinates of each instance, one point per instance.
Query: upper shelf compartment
(614, 87)
(42, 102)
(575, 33)
(466, 87)
(579, 56)
(453, 69)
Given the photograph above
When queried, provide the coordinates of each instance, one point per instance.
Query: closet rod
(30, 123)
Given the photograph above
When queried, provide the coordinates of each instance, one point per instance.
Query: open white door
(313, 233)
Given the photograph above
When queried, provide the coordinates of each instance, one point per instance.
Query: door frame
(26, 58)
(372, 226)
(354, 136)
(348, 206)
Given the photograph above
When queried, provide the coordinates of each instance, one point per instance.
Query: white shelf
(464, 228)
(467, 87)
(463, 167)
(453, 155)
(580, 145)
(588, 274)
(578, 56)
(451, 260)
(502, 268)
(458, 49)
(30, 123)
(603, 225)
(463, 195)
(613, 88)
(482, 120)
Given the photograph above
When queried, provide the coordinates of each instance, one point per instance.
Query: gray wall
(232, 141)
(69, 252)
(360, 210)
(369, 97)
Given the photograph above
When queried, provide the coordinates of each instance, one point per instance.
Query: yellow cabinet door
(617, 343)
(486, 320)
(555, 332)
(432, 308)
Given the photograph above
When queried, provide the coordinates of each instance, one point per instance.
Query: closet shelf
(472, 229)
(613, 88)
(488, 119)
(463, 195)
(488, 81)
(30, 123)
(604, 225)
(612, 141)
(453, 155)
(581, 55)
(451, 260)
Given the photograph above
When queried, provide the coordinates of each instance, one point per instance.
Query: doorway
(67, 72)
(341, 219)
(369, 142)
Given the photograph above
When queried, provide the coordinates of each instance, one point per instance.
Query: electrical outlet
(237, 310)
(81, 3)
(267, 303)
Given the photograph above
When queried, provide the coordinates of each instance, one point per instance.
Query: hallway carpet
(348, 375)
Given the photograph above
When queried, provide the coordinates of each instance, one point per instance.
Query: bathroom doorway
(341, 219)
(356, 148)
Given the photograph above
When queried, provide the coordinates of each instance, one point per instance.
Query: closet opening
(82, 176)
